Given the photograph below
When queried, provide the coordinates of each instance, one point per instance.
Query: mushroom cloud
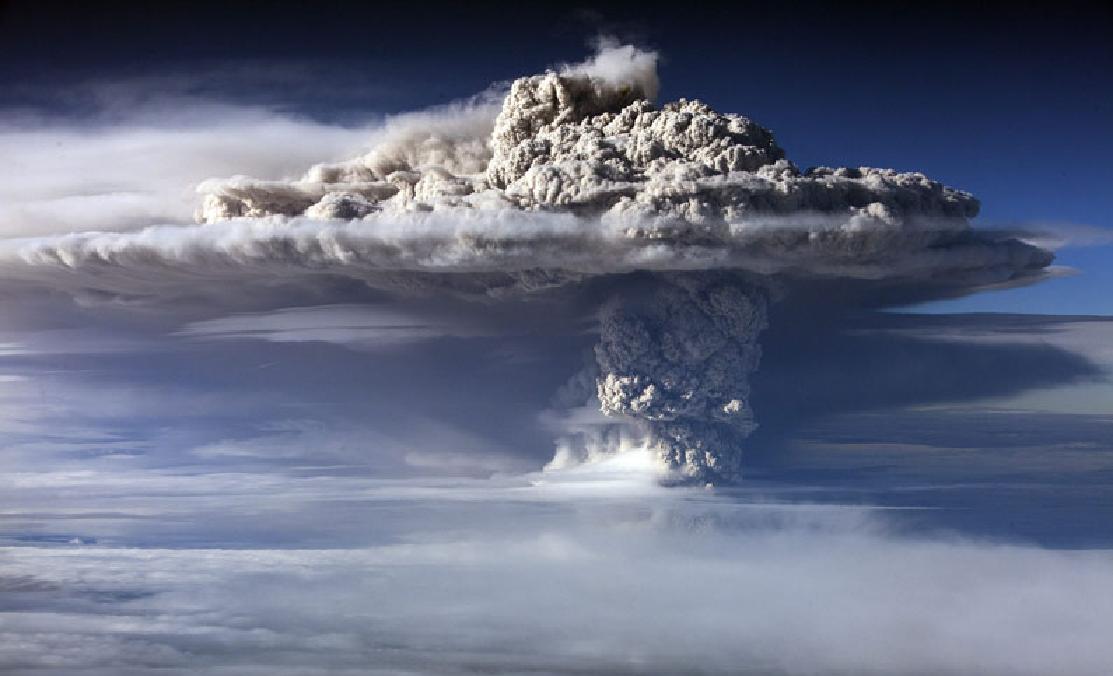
(694, 219)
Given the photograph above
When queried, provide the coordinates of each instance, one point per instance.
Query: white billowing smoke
(576, 175)
(588, 140)
(618, 65)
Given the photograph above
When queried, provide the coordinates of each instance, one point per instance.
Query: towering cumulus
(693, 220)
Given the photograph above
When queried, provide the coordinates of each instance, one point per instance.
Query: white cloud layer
(561, 581)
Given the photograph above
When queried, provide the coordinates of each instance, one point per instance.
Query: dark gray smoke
(680, 359)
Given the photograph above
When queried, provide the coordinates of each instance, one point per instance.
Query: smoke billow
(681, 361)
(576, 176)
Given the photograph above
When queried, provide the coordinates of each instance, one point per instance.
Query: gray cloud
(575, 177)
(681, 360)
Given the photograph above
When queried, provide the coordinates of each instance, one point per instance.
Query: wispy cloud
(357, 325)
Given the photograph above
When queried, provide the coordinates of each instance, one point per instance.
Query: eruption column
(679, 359)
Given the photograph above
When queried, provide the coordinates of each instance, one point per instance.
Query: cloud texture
(567, 577)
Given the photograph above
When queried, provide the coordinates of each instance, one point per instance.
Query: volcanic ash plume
(680, 360)
(577, 176)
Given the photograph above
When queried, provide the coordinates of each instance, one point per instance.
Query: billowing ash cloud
(681, 361)
(577, 176)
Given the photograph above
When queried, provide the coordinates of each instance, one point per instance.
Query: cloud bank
(559, 578)
(694, 218)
